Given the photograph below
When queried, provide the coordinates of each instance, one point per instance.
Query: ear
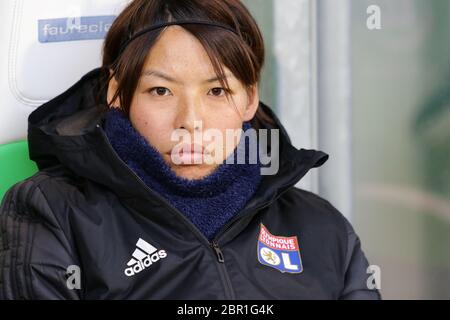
(252, 102)
(112, 89)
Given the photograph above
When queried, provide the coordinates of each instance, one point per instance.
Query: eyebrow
(149, 73)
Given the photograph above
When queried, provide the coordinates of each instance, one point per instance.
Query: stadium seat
(47, 45)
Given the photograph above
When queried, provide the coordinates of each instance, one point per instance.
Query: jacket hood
(67, 132)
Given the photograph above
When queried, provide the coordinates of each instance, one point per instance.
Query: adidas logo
(143, 257)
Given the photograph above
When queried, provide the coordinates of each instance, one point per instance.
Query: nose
(189, 115)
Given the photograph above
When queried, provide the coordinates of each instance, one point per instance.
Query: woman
(122, 210)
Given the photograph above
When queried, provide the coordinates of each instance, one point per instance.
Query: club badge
(281, 253)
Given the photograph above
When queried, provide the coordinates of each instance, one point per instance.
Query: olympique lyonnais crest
(281, 253)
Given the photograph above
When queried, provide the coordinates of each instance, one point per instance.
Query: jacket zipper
(218, 251)
(229, 291)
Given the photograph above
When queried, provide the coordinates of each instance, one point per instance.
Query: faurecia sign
(74, 28)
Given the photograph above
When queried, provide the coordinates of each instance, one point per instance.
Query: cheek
(226, 143)
(229, 117)
(226, 124)
(226, 117)
(152, 125)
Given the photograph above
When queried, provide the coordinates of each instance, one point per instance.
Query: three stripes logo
(143, 257)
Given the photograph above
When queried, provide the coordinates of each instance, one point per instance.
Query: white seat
(46, 46)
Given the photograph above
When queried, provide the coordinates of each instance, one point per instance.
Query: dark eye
(159, 91)
(217, 91)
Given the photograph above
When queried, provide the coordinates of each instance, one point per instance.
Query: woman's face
(177, 90)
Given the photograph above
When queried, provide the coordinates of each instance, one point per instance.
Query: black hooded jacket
(87, 227)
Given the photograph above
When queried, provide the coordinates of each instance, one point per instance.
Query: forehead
(178, 53)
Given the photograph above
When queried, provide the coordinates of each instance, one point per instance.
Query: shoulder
(42, 197)
(25, 198)
(314, 210)
(333, 233)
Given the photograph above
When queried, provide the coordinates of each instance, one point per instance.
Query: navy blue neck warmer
(208, 202)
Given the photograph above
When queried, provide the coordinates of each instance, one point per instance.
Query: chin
(193, 172)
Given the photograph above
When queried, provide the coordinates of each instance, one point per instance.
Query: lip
(188, 154)
(190, 149)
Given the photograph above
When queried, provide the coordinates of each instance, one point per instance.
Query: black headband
(180, 22)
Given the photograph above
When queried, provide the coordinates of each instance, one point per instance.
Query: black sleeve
(356, 275)
(34, 252)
